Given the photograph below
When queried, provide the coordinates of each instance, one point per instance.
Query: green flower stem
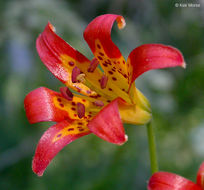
(152, 148)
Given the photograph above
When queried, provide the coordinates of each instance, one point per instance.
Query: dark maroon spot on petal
(118, 62)
(94, 63)
(110, 72)
(83, 100)
(113, 70)
(108, 60)
(123, 89)
(114, 78)
(98, 95)
(128, 64)
(71, 63)
(59, 100)
(89, 115)
(66, 93)
(73, 103)
(73, 109)
(98, 103)
(114, 62)
(123, 62)
(125, 75)
(75, 72)
(90, 112)
(101, 53)
(80, 123)
(70, 129)
(75, 115)
(81, 129)
(80, 110)
(92, 96)
(110, 89)
(99, 47)
(100, 58)
(62, 105)
(108, 101)
(103, 82)
(105, 65)
(59, 135)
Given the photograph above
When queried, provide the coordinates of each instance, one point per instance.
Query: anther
(75, 73)
(66, 93)
(80, 110)
(103, 81)
(94, 63)
(99, 103)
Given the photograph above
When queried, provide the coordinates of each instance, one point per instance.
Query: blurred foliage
(176, 95)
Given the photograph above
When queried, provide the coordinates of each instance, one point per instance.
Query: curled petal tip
(126, 139)
(36, 170)
(121, 22)
(51, 27)
(183, 65)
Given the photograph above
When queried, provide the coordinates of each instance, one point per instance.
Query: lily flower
(100, 94)
(171, 181)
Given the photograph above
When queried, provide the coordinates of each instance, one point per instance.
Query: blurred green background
(176, 95)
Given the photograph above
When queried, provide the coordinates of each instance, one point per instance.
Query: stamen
(99, 103)
(75, 73)
(66, 93)
(80, 110)
(94, 63)
(103, 81)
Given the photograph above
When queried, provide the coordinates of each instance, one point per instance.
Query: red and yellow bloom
(106, 97)
(171, 181)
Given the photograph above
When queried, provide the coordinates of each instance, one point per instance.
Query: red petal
(107, 124)
(100, 29)
(52, 141)
(154, 56)
(60, 58)
(200, 176)
(98, 36)
(170, 181)
(39, 106)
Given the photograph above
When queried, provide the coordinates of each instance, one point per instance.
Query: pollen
(81, 78)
